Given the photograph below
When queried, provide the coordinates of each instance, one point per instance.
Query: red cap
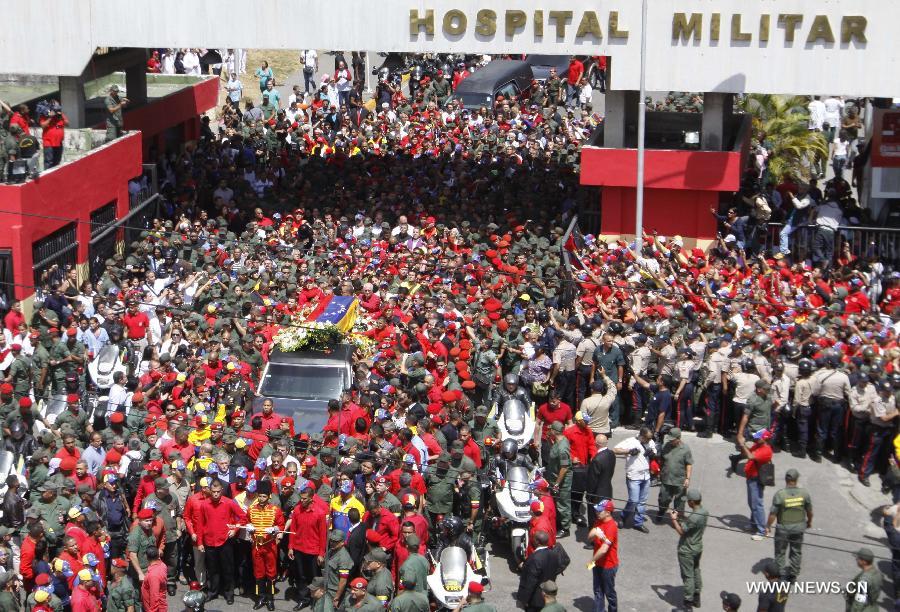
(238, 413)
(154, 466)
(122, 563)
(359, 583)
(16, 347)
(6, 388)
(146, 513)
(24, 402)
(73, 398)
(117, 417)
(67, 464)
(42, 579)
(476, 587)
(288, 481)
(537, 506)
(381, 480)
(71, 332)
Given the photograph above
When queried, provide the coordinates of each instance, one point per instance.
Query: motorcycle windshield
(107, 358)
(514, 416)
(518, 482)
(6, 464)
(453, 568)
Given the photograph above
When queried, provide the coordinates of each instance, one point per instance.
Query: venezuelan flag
(339, 310)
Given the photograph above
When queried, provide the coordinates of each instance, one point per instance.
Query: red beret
(113, 456)
(73, 398)
(42, 579)
(464, 355)
(117, 417)
(146, 513)
(288, 481)
(24, 402)
(71, 332)
(448, 396)
(468, 385)
(67, 464)
(454, 351)
(502, 325)
(465, 344)
(6, 388)
(476, 587)
(16, 347)
(150, 431)
(155, 466)
(537, 506)
(464, 376)
(121, 563)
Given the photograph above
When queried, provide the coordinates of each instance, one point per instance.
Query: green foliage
(781, 124)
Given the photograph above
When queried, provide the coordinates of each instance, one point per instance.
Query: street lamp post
(642, 118)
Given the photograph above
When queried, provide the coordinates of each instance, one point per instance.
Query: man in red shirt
(26, 556)
(553, 410)
(573, 77)
(193, 523)
(583, 448)
(605, 560)
(757, 455)
(153, 587)
(53, 125)
(83, 599)
(470, 447)
(540, 522)
(270, 420)
(137, 325)
(221, 517)
(14, 318)
(308, 540)
(147, 485)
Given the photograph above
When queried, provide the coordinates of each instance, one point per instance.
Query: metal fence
(879, 242)
(54, 254)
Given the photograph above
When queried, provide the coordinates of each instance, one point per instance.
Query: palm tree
(781, 123)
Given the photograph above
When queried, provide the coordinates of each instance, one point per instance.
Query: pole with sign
(642, 117)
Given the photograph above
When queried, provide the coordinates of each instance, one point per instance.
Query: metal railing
(879, 242)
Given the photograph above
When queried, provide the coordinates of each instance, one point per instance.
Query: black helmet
(615, 328)
(806, 366)
(543, 316)
(747, 364)
(895, 379)
(868, 353)
(452, 525)
(833, 360)
(790, 349)
(764, 342)
(510, 448)
(885, 386)
(17, 429)
(809, 349)
(170, 254)
(650, 329)
(586, 330)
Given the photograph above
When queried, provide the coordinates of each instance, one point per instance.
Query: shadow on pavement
(672, 595)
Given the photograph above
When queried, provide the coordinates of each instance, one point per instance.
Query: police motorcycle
(515, 422)
(456, 563)
(511, 508)
(104, 365)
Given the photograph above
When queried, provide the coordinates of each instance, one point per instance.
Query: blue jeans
(784, 237)
(605, 589)
(756, 501)
(638, 492)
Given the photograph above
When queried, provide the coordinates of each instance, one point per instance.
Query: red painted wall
(181, 106)
(663, 169)
(668, 211)
(70, 191)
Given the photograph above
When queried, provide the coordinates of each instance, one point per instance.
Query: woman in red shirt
(53, 125)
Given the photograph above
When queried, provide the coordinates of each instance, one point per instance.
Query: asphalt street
(846, 518)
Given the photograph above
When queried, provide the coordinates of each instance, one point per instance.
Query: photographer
(114, 120)
(53, 124)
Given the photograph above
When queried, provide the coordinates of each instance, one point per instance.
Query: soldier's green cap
(865, 554)
(378, 555)
(557, 427)
(337, 535)
(83, 488)
(481, 411)
(275, 434)
(69, 485)
(161, 483)
(32, 513)
(549, 587)
(47, 487)
(412, 540)
(792, 474)
(675, 433)
(229, 438)
(694, 495)
(444, 457)
(317, 584)
(326, 452)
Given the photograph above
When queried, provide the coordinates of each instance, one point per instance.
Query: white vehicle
(513, 502)
(515, 421)
(449, 581)
(104, 365)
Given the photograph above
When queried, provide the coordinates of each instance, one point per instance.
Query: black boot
(270, 603)
(261, 596)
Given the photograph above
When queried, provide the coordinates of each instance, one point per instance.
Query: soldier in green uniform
(40, 362)
(20, 374)
(415, 565)
(467, 502)
(76, 418)
(690, 527)
(792, 508)
(317, 591)
(441, 483)
(123, 597)
(114, 105)
(170, 512)
(409, 599)
(554, 87)
(359, 600)
(52, 509)
(866, 585)
(559, 475)
(140, 540)
(675, 474)
(8, 403)
(381, 583)
(337, 567)
(59, 362)
(549, 591)
(483, 427)
(9, 601)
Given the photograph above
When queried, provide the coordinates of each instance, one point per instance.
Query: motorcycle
(104, 365)
(512, 501)
(516, 422)
(449, 581)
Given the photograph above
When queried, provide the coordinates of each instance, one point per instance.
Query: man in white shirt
(638, 451)
(834, 106)
(310, 61)
(816, 114)
(235, 90)
(191, 62)
(119, 397)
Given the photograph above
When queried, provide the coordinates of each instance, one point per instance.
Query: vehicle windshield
(453, 568)
(472, 100)
(295, 381)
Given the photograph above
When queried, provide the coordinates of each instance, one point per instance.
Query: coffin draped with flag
(339, 310)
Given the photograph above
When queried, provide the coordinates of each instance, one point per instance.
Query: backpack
(132, 480)
(762, 212)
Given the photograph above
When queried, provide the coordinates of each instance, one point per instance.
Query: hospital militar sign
(765, 46)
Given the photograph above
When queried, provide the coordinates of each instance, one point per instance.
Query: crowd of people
(448, 225)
